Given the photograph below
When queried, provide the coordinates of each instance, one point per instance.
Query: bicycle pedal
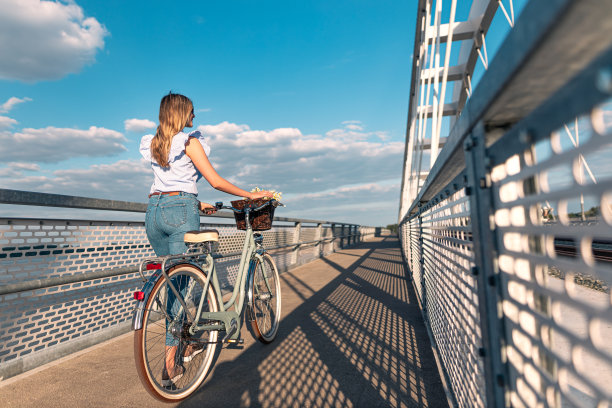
(236, 344)
(230, 332)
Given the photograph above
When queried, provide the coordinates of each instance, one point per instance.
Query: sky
(307, 98)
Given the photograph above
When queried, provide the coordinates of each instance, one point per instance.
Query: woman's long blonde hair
(174, 112)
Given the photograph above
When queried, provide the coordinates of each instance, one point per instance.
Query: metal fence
(509, 237)
(66, 284)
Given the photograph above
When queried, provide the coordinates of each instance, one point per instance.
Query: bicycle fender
(140, 305)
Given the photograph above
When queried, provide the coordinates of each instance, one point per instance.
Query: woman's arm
(196, 153)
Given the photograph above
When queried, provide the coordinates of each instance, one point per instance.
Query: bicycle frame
(231, 319)
(251, 252)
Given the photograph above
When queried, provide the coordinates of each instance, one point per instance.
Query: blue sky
(319, 75)
(268, 64)
(309, 98)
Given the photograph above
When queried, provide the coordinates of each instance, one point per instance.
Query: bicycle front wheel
(265, 299)
(172, 363)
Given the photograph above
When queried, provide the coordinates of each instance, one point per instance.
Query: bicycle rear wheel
(164, 338)
(265, 299)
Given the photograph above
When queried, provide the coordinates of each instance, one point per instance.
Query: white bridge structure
(506, 200)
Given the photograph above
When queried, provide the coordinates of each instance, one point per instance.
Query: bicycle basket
(260, 220)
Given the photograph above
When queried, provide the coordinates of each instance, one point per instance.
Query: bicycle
(181, 303)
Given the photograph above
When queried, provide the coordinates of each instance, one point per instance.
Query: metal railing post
(318, 236)
(333, 234)
(422, 267)
(485, 250)
(296, 239)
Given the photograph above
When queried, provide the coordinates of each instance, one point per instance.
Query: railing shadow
(357, 341)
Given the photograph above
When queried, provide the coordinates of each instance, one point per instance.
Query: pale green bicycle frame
(252, 252)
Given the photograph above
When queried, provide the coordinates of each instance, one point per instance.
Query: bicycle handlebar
(219, 205)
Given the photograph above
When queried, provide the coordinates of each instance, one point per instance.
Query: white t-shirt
(181, 175)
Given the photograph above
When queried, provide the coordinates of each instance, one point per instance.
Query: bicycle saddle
(195, 237)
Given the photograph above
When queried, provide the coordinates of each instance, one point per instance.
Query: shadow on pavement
(357, 341)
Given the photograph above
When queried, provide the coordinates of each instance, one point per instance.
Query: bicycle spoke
(164, 330)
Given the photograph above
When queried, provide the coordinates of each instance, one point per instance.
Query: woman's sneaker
(191, 351)
(168, 379)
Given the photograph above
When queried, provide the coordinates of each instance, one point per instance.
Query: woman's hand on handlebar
(207, 208)
(261, 194)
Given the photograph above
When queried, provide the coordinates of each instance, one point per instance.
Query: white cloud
(289, 161)
(322, 177)
(203, 110)
(344, 191)
(24, 166)
(353, 124)
(12, 101)
(138, 125)
(6, 122)
(223, 129)
(354, 130)
(367, 204)
(354, 127)
(126, 180)
(129, 180)
(262, 138)
(45, 39)
(50, 144)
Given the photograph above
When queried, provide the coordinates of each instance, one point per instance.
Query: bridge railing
(512, 276)
(66, 284)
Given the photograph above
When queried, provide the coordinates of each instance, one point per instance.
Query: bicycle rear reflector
(153, 266)
(139, 295)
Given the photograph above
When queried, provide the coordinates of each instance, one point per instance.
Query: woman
(178, 160)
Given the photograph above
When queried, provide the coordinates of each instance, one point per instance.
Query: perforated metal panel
(310, 252)
(438, 247)
(532, 267)
(542, 203)
(556, 266)
(35, 322)
(37, 249)
(46, 248)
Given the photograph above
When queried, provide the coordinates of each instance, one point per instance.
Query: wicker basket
(260, 220)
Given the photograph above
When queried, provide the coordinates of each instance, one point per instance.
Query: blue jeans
(168, 219)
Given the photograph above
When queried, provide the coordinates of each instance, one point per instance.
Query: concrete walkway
(352, 335)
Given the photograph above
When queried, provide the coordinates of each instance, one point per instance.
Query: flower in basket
(277, 195)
